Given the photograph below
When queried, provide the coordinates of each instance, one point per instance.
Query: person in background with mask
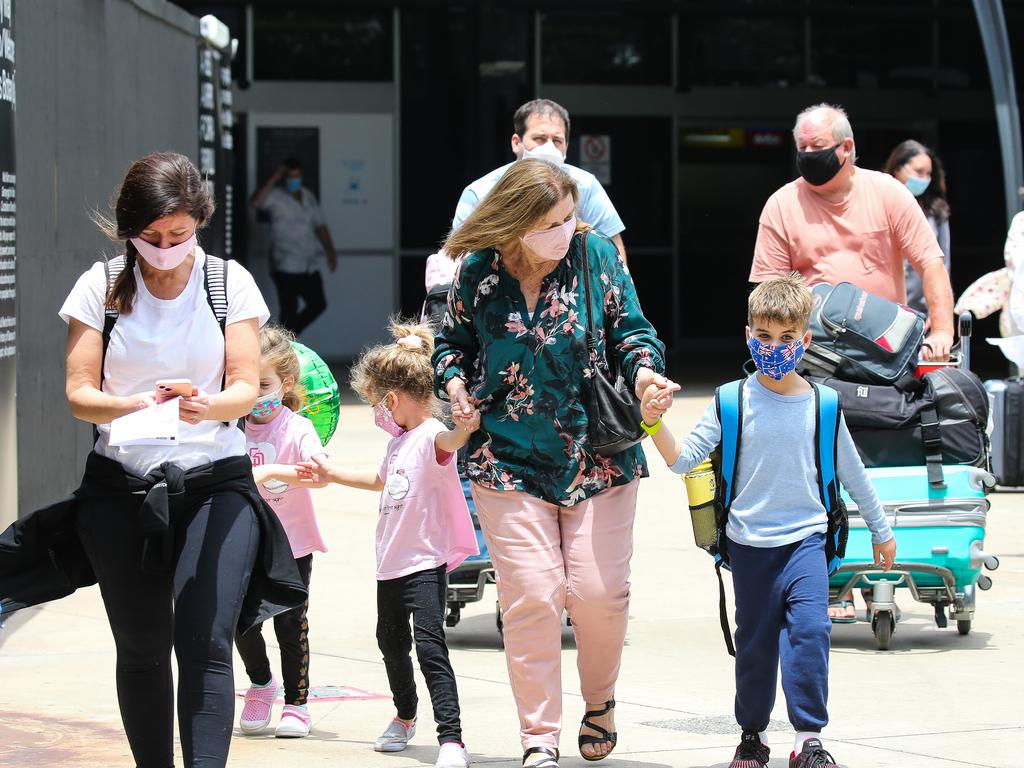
(557, 516)
(840, 223)
(541, 131)
(920, 169)
(298, 235)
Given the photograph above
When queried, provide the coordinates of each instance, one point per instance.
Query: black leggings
(292, 631)
(423, 595)
(195, 608)
(291, 287)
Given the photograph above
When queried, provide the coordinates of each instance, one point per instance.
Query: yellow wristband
(652, 431)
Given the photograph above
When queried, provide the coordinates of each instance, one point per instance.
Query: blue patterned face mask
(775, 360)
(267, 404)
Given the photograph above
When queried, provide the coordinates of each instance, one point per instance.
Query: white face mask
(546, 151)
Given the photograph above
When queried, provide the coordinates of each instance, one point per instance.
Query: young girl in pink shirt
(424, 530)
(278, 438)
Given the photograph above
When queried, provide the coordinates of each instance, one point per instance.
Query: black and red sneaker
(751, 753)
(813, 755)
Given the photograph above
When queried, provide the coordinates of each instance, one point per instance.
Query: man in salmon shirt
(840, 223)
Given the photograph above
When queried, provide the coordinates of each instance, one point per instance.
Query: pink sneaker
(295, 723)
(259, 702)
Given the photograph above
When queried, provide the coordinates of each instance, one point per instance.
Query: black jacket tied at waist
(42, 559)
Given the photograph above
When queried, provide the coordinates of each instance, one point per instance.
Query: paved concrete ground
(935, 699)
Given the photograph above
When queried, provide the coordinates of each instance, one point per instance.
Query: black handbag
(613, 409)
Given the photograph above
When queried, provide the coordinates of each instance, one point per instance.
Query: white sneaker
(452, 755)
(396, 737)
(259, 704)
(295, 723)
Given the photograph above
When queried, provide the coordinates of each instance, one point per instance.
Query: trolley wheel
(963, 626)
(497, 618)
(883, 625)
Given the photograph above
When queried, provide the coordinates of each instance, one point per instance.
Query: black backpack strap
(723, 613)
(215, 281)
(112, 270)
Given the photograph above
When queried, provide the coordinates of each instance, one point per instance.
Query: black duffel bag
(941, 419)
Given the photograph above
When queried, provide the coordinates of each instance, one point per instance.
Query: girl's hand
(462, 404)
(468, 422)
(195, 408)
(313, 473)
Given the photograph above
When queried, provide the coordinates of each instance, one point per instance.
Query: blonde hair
(403, 366)
(786, 300)
(277, 352)
(527, 191)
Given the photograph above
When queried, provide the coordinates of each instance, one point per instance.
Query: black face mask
(819, 167)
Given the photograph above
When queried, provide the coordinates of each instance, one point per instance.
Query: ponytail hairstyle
(276, 351)
(403, 366)
(157, 185)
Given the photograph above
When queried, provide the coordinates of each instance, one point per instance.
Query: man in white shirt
(298, 236)
(541, 132)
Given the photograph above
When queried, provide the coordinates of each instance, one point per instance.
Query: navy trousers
(781, 612)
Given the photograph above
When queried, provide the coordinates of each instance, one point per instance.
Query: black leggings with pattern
(292, 631)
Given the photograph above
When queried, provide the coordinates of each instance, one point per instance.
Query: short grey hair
(837, 118)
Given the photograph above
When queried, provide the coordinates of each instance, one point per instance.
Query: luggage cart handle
(966, 327)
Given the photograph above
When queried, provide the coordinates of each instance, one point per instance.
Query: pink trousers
(549, 559)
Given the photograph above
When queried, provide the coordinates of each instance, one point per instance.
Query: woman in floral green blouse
(558, 518)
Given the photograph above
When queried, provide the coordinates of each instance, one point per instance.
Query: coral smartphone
(174, 387)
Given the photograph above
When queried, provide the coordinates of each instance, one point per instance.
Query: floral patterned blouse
(529, 372)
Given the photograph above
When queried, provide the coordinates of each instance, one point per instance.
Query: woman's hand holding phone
(195, 407)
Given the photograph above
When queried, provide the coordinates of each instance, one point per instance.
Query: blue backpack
(725, 459)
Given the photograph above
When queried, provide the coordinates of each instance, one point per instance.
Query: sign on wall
(596, 156)
(8, 263)
(217, 144)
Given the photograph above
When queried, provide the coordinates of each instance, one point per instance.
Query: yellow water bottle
(700, 491)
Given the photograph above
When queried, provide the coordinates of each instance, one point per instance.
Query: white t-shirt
(175, 338)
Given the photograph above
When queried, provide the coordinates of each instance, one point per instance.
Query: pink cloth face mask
(551, 244)
(385, 419)
(164, 258)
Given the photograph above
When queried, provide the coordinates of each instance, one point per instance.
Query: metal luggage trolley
(940, 534)
(467, 582)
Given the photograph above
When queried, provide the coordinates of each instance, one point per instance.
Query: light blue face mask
(293, 184)
(917, 185)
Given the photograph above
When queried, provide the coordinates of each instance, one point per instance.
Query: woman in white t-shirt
(175, 534)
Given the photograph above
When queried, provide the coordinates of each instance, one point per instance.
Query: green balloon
(323, 403)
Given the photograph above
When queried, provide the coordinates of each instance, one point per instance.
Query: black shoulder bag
(613, 410)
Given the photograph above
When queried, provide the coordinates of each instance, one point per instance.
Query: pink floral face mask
(551, 244)
(385, 419)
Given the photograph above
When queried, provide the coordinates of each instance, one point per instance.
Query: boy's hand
(656, 401)
(885, 553)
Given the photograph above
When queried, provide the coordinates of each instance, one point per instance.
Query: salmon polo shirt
(861, 240)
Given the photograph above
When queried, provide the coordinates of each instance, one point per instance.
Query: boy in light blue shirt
(776, 525)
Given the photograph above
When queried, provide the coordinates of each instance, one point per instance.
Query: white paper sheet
(155, 425)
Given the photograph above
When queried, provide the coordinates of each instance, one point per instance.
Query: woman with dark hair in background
(176, 534)
(920, 169)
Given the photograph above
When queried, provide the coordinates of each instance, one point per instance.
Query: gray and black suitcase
(1008, 430)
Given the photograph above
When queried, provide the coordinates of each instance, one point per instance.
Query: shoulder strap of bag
(729, 407)
(215, 281)
(826, 440)
(112, 269)
(585, 259)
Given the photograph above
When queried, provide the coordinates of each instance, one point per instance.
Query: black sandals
(549, 762)
(606, 737)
